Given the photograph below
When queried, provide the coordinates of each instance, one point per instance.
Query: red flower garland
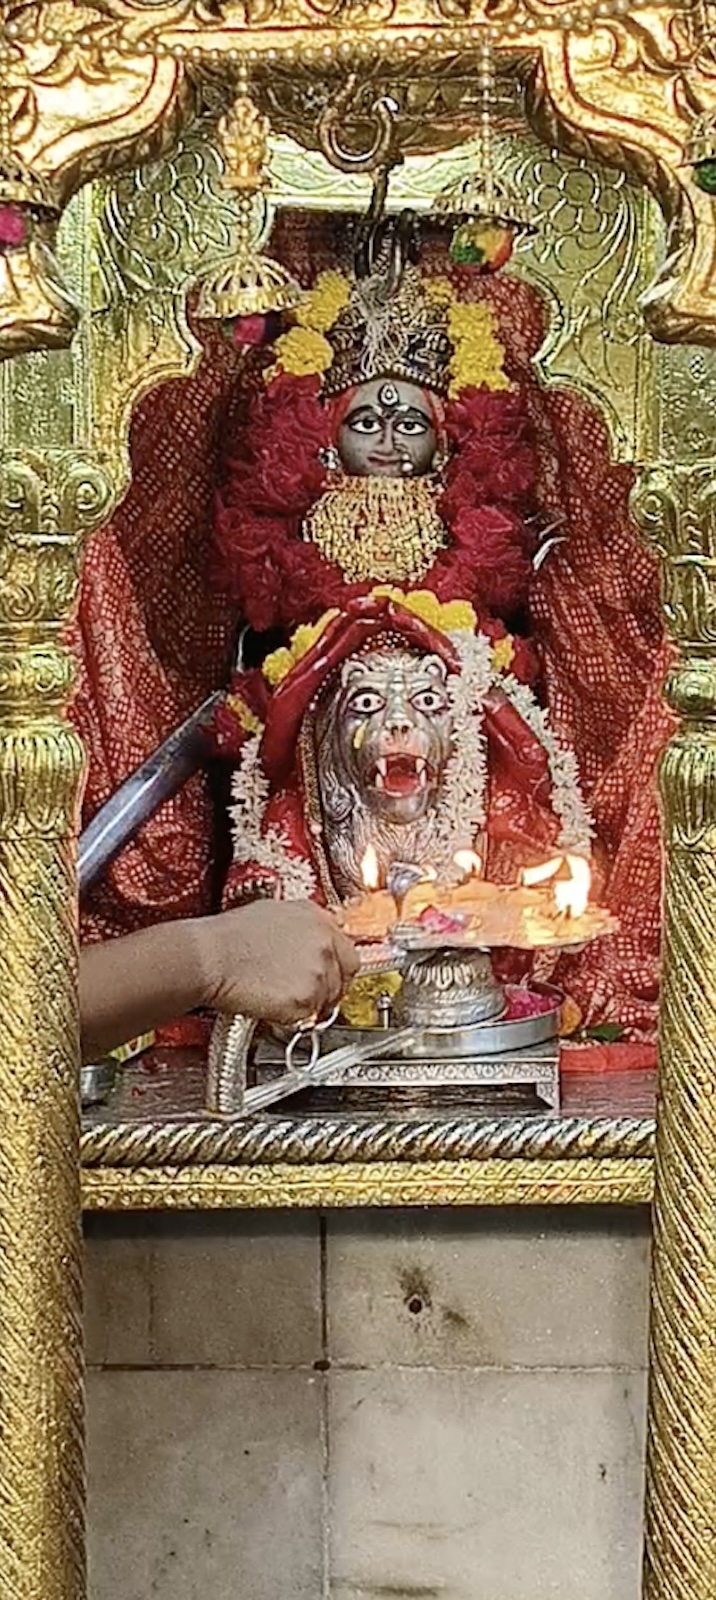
(275, 475)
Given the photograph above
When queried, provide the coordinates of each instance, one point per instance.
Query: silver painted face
(384, 737)
(388, 431)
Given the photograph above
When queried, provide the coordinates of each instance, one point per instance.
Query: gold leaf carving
(107, 82)
(454, 1183)
(676, 507)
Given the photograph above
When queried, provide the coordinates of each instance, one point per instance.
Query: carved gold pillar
(41, 1378)
(677, 510)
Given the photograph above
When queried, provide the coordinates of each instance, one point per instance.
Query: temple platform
(153, 1146)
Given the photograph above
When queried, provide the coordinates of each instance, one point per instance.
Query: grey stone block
(205, 1485)
(494, 1288)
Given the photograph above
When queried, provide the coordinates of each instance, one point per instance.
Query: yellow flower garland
(277, 666)
(503, 654)
(325, 302)
(478, 356)
(303, 353)
(243, 714)
(453, 616)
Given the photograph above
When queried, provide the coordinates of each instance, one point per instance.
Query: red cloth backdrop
(154, 637)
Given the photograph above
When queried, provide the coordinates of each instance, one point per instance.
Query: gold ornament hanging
(36, 309)
(250, 283)
(488, 211)
(383, 530)
(700, 152)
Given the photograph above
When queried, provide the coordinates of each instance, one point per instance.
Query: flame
(370, 871)
(542, 873)
(572, 895)
(469, 862)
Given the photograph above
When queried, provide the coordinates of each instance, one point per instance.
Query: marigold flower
(277, 666)
(323, 306)
(302, 352)
(458, 616)
(478, 360)
(503, 654)
(243, 714)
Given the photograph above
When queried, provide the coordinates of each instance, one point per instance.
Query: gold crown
(390, 331)
(347, 331)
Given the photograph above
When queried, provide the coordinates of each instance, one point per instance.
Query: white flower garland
(268, 850)
(461, 814)
(568, 802)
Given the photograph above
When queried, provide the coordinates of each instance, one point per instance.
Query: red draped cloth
(153, 640)
(154, 637)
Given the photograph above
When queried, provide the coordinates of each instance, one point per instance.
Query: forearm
(131, 985)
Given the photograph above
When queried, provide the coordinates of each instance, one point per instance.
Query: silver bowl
(494, 1037)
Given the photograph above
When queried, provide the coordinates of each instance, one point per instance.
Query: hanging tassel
(246, 290)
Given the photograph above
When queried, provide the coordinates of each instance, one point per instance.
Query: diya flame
(572, 877)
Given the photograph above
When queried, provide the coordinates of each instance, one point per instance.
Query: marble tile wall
(367, 1406)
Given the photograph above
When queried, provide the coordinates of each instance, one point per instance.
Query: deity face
(385, 737)
(388, 431)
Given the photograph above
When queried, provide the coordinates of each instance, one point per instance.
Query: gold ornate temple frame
(91, 89)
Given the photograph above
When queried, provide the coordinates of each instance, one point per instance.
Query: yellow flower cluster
(323, 306)
(452, 616)
(478, 355)
(277, 666)
(478, 358)
(243, 714)
(503, 654)
(301, 352)
(304, 351)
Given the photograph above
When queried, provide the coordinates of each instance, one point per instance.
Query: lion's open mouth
(400, 775)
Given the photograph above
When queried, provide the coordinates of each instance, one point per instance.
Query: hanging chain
(486, 151)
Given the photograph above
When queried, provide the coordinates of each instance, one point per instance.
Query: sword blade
(143, 792)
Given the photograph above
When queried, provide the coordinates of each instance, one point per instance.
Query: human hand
(278, 961)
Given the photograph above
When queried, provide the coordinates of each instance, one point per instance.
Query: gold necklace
(378, 530)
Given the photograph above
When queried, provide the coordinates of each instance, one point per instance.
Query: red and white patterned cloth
(154, 637)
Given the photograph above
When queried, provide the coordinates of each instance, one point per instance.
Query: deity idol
(416, 450)
(393, 723)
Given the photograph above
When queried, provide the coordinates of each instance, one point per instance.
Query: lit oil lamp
(369, 868)
(468, 863)
(572, 894)
(534, 877)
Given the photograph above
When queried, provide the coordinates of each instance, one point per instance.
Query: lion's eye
(429, 700)
(366, 702)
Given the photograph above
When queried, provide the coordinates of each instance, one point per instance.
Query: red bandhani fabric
(155, 632)
(153, 639)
